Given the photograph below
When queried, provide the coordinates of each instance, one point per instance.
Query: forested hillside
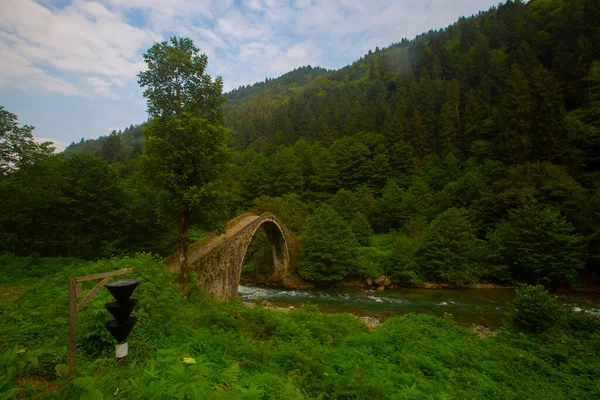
(446, 89)
(477, 144)
(472, 149)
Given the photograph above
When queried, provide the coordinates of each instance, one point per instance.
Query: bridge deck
(213, 242)
(201, 247)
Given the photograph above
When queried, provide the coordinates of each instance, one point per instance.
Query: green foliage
(176, 81)
(258, 353)
(112, 149)
(79, 207)
(535, 245)
(450, 250)
(493, 113)
(402, 265)
(184, 155)
(292, 211)
(345, 203)
(417, 201)
(328, 247)
(362, 229)
(13, 361)
(373, 258)
(17, 146)
(389, 207)
(534, 310)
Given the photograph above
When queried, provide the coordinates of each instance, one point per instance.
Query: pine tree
(516, 114)
(362, 229)
(328, 249)
(450, 249)
(535, 244)
(112, 149)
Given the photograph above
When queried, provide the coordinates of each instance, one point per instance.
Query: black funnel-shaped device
(121, 331)
(123, 289)
(121, 311)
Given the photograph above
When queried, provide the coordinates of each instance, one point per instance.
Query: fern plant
(188, 381)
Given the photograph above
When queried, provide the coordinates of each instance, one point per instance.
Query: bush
(534, 310)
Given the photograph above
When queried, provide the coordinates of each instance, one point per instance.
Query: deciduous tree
(17, 146)
(184, 150)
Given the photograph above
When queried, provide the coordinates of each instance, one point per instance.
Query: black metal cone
(121, 311)
(122, 290)
(121, 331)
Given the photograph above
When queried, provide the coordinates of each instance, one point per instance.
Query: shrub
(534, 310)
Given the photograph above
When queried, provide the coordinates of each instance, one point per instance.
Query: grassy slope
(261, 353)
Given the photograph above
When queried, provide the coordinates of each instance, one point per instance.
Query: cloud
(17, 70)
(171, 15)
(83, 39)
(57, 144)
(297, 55)
(89, 47)
(104, 87)
(253, 4)
(236, 26)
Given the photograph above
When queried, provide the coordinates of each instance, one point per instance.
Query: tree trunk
(182, 246)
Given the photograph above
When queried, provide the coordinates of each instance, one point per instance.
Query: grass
(257, 353)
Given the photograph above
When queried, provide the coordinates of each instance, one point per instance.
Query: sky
(69, 67)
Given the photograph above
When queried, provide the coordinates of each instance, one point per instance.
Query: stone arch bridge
(218, 257)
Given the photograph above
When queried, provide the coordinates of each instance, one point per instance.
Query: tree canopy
(17, 145)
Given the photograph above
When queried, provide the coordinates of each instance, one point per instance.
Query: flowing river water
(468, 306)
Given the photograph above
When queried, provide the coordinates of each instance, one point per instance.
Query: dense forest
(471, 152)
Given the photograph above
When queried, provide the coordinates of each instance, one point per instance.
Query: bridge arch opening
(265, 256)
(257, 265)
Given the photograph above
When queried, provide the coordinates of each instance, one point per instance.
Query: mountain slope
(446, 88)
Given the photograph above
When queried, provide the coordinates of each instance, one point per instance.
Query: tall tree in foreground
(184, 151)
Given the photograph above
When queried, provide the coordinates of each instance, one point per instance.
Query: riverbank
(372, 284)
(371, 321)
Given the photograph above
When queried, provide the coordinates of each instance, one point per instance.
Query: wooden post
(74, 308)
(72, 323)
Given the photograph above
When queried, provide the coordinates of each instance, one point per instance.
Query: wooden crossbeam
(92, 293)
(104, 275)
(74, 308)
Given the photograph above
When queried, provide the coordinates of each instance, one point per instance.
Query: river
(468, 306)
